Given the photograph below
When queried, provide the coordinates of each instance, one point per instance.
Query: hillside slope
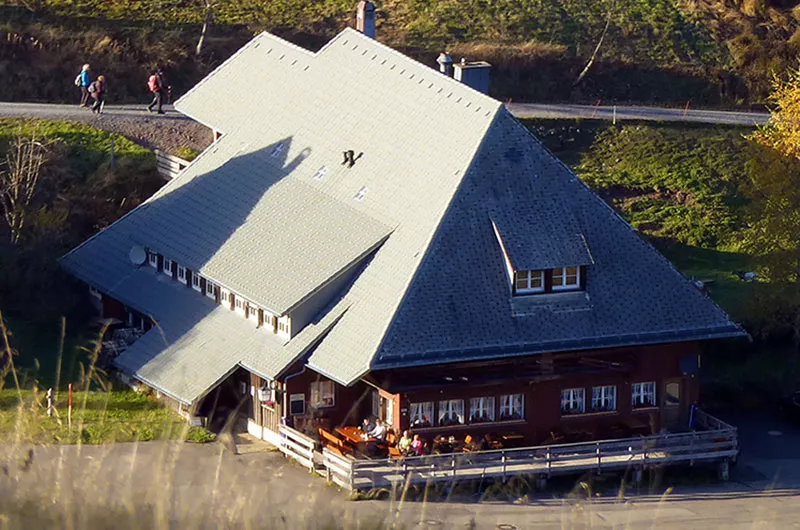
(710, 51)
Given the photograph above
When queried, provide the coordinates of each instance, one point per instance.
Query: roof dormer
(543, 248)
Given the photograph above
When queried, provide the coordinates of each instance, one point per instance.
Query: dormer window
(566, 278)
(529, 282)
(152, 259)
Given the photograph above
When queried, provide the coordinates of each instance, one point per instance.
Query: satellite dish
(137, 255)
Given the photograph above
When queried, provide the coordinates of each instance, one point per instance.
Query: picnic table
(353, 435)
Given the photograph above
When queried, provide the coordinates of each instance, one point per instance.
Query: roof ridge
(350, 32)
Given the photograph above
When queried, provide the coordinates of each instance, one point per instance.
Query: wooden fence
(338, 468)
(298, 446)
(169, 166)
(718, 445)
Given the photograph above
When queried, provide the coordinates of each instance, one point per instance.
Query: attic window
(361, 194)
(320, 174)
(566, 278)
(529, 282)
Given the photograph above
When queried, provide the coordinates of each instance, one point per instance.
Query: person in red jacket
(158, 87)
(98, 92)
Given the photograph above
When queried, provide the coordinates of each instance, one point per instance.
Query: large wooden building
(368, 235)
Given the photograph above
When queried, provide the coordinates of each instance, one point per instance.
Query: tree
(209, 17)
(774, 184)
(19, 179)
(782, 133)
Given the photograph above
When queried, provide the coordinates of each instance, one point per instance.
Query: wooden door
(674, 407)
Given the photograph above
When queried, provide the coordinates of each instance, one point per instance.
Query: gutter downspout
(285, 386)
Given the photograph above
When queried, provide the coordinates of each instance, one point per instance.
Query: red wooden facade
(394, 395)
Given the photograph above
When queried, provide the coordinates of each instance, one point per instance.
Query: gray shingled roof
(417, 128)
(237, 200)
(439, 162)
(541, 235)
(194, 343)
(459, 308)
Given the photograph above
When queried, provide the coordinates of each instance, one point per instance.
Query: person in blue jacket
(83, 81)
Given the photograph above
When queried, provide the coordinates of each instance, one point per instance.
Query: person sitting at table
(417, 446)
(367, 425)
(485, 443)
(378, 432)
(404, 444)
(421, 422)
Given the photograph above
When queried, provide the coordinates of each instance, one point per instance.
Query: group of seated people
(376, 433)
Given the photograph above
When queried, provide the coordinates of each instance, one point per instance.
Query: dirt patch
(151, 131)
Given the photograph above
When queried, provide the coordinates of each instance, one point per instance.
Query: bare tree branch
(18, 181)
(597, 48)
(206, 24)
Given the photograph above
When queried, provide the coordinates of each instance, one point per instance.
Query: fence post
(503, 460)
(549, 461)
(598, 457)
(453, 464)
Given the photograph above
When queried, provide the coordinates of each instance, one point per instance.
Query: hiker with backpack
(158, 87)
(98, 92)
(83, 81)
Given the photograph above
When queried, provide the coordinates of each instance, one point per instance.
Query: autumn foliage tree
(774, 184)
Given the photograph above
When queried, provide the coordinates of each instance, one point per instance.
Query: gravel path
(154, 131)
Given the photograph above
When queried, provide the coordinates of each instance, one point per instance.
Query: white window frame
(225, 296)
(252, 313)
(604, 398)
(266, 320)
(210, 286)
(297, 398)
(565, 277)
(152, 259)
(643, 395)
(528, 278)
(182, 274)
(167, 267)
(416, 411)
(512, 407)
(239, 304)
(284, 325)
(481, 409)
(322, 394)
(451, 412)
(196, 282)
(573, 401)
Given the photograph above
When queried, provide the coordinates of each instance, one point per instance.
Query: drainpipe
(285, 396)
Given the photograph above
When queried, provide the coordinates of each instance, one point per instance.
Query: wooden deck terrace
(716, 443)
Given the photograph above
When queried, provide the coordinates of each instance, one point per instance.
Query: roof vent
(350, 157)
(445, 64)
(361, 193)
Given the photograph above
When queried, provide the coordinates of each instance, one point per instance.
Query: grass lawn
(676, 183)
(98, 417)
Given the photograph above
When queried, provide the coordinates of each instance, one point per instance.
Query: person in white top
(378, 432)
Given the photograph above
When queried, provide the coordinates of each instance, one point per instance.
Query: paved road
(206, 486)
(67, 112)
(520, 110)
(535, 110)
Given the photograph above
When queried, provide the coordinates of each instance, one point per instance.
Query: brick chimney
(365, 18)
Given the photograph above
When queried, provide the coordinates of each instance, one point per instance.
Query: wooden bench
(332, 442)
